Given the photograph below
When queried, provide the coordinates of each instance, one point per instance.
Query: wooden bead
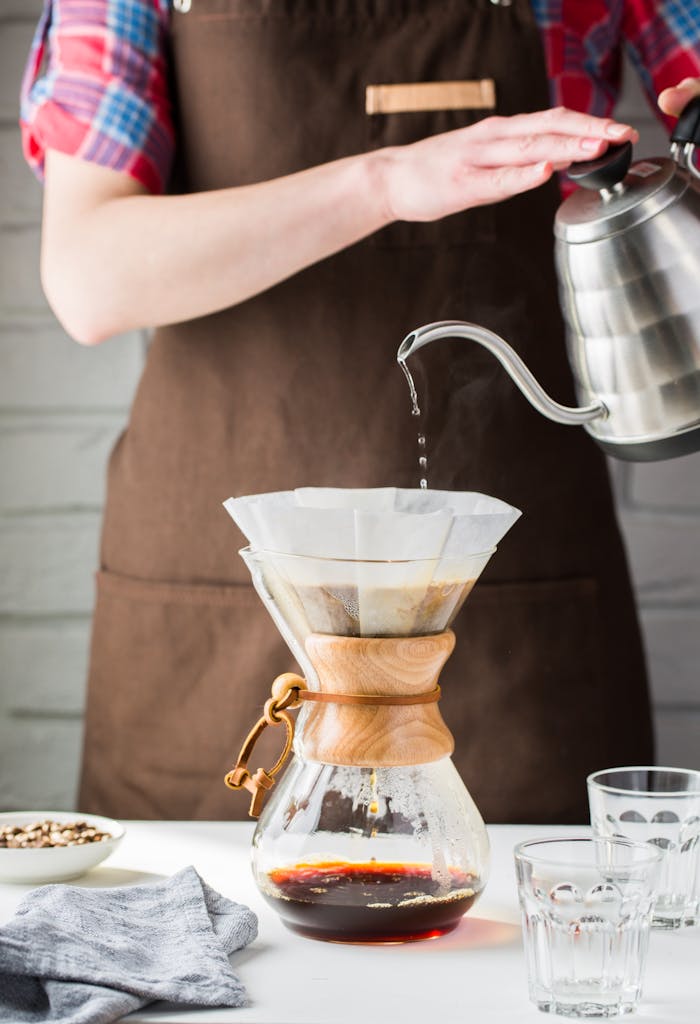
(284, 683)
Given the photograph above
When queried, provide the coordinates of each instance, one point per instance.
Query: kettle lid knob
(605, 171)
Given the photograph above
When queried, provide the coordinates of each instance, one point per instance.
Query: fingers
(526, 150)
(557, 121)
(492, 160)
(490, 186)
(673, 101)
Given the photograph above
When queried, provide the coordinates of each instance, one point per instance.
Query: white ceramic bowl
(32, 866)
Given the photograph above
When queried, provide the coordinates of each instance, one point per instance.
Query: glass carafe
(371, 835)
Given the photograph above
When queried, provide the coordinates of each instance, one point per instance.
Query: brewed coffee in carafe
(370, 834)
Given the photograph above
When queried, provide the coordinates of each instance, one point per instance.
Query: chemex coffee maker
(370, 835)
(628, 260)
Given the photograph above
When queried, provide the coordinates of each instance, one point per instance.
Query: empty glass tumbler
(586, 910)
(659, 806)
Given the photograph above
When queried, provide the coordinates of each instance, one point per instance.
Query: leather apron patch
(416, 96)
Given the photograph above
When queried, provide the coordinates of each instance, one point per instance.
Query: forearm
(114, 257)
(135, 260)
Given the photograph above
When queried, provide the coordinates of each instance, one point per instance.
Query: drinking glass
(659, 806)
(586, 910)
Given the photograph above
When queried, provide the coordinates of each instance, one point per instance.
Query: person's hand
(673, 101)
(490, 161)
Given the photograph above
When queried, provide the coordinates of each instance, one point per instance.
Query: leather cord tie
(384, 699)
(285, 694)
(288, 692)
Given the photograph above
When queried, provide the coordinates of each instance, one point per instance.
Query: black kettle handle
(687, 127)
(606, 170)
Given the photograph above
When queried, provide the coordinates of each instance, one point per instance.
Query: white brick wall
(61, 407)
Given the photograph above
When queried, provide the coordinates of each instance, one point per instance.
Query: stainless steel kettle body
(628, 259)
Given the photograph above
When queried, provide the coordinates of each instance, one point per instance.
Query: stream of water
(416, 411)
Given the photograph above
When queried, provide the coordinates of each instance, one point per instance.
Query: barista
(306, 238)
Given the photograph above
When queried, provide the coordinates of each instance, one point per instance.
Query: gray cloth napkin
(89, 956)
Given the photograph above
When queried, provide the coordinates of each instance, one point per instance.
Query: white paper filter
(427, 537)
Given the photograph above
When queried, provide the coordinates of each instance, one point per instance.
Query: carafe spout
(509, 360)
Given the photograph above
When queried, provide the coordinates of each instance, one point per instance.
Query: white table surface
(476, 974)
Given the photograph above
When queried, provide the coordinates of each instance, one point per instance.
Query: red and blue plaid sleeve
(96, 82)
(95, 87)
(663, 41)
(584, 43)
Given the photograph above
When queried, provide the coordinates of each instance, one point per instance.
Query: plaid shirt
(95, 85)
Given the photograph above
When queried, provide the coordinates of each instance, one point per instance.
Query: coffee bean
(43, 834)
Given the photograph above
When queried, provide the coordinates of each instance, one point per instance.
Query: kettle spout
(509, 360)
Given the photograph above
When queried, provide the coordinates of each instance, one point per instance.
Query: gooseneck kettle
(627, 253)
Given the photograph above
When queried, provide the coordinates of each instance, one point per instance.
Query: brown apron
(299, 386)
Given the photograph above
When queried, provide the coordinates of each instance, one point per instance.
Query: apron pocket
(390, 126)
(178, 675)
(529, 699)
